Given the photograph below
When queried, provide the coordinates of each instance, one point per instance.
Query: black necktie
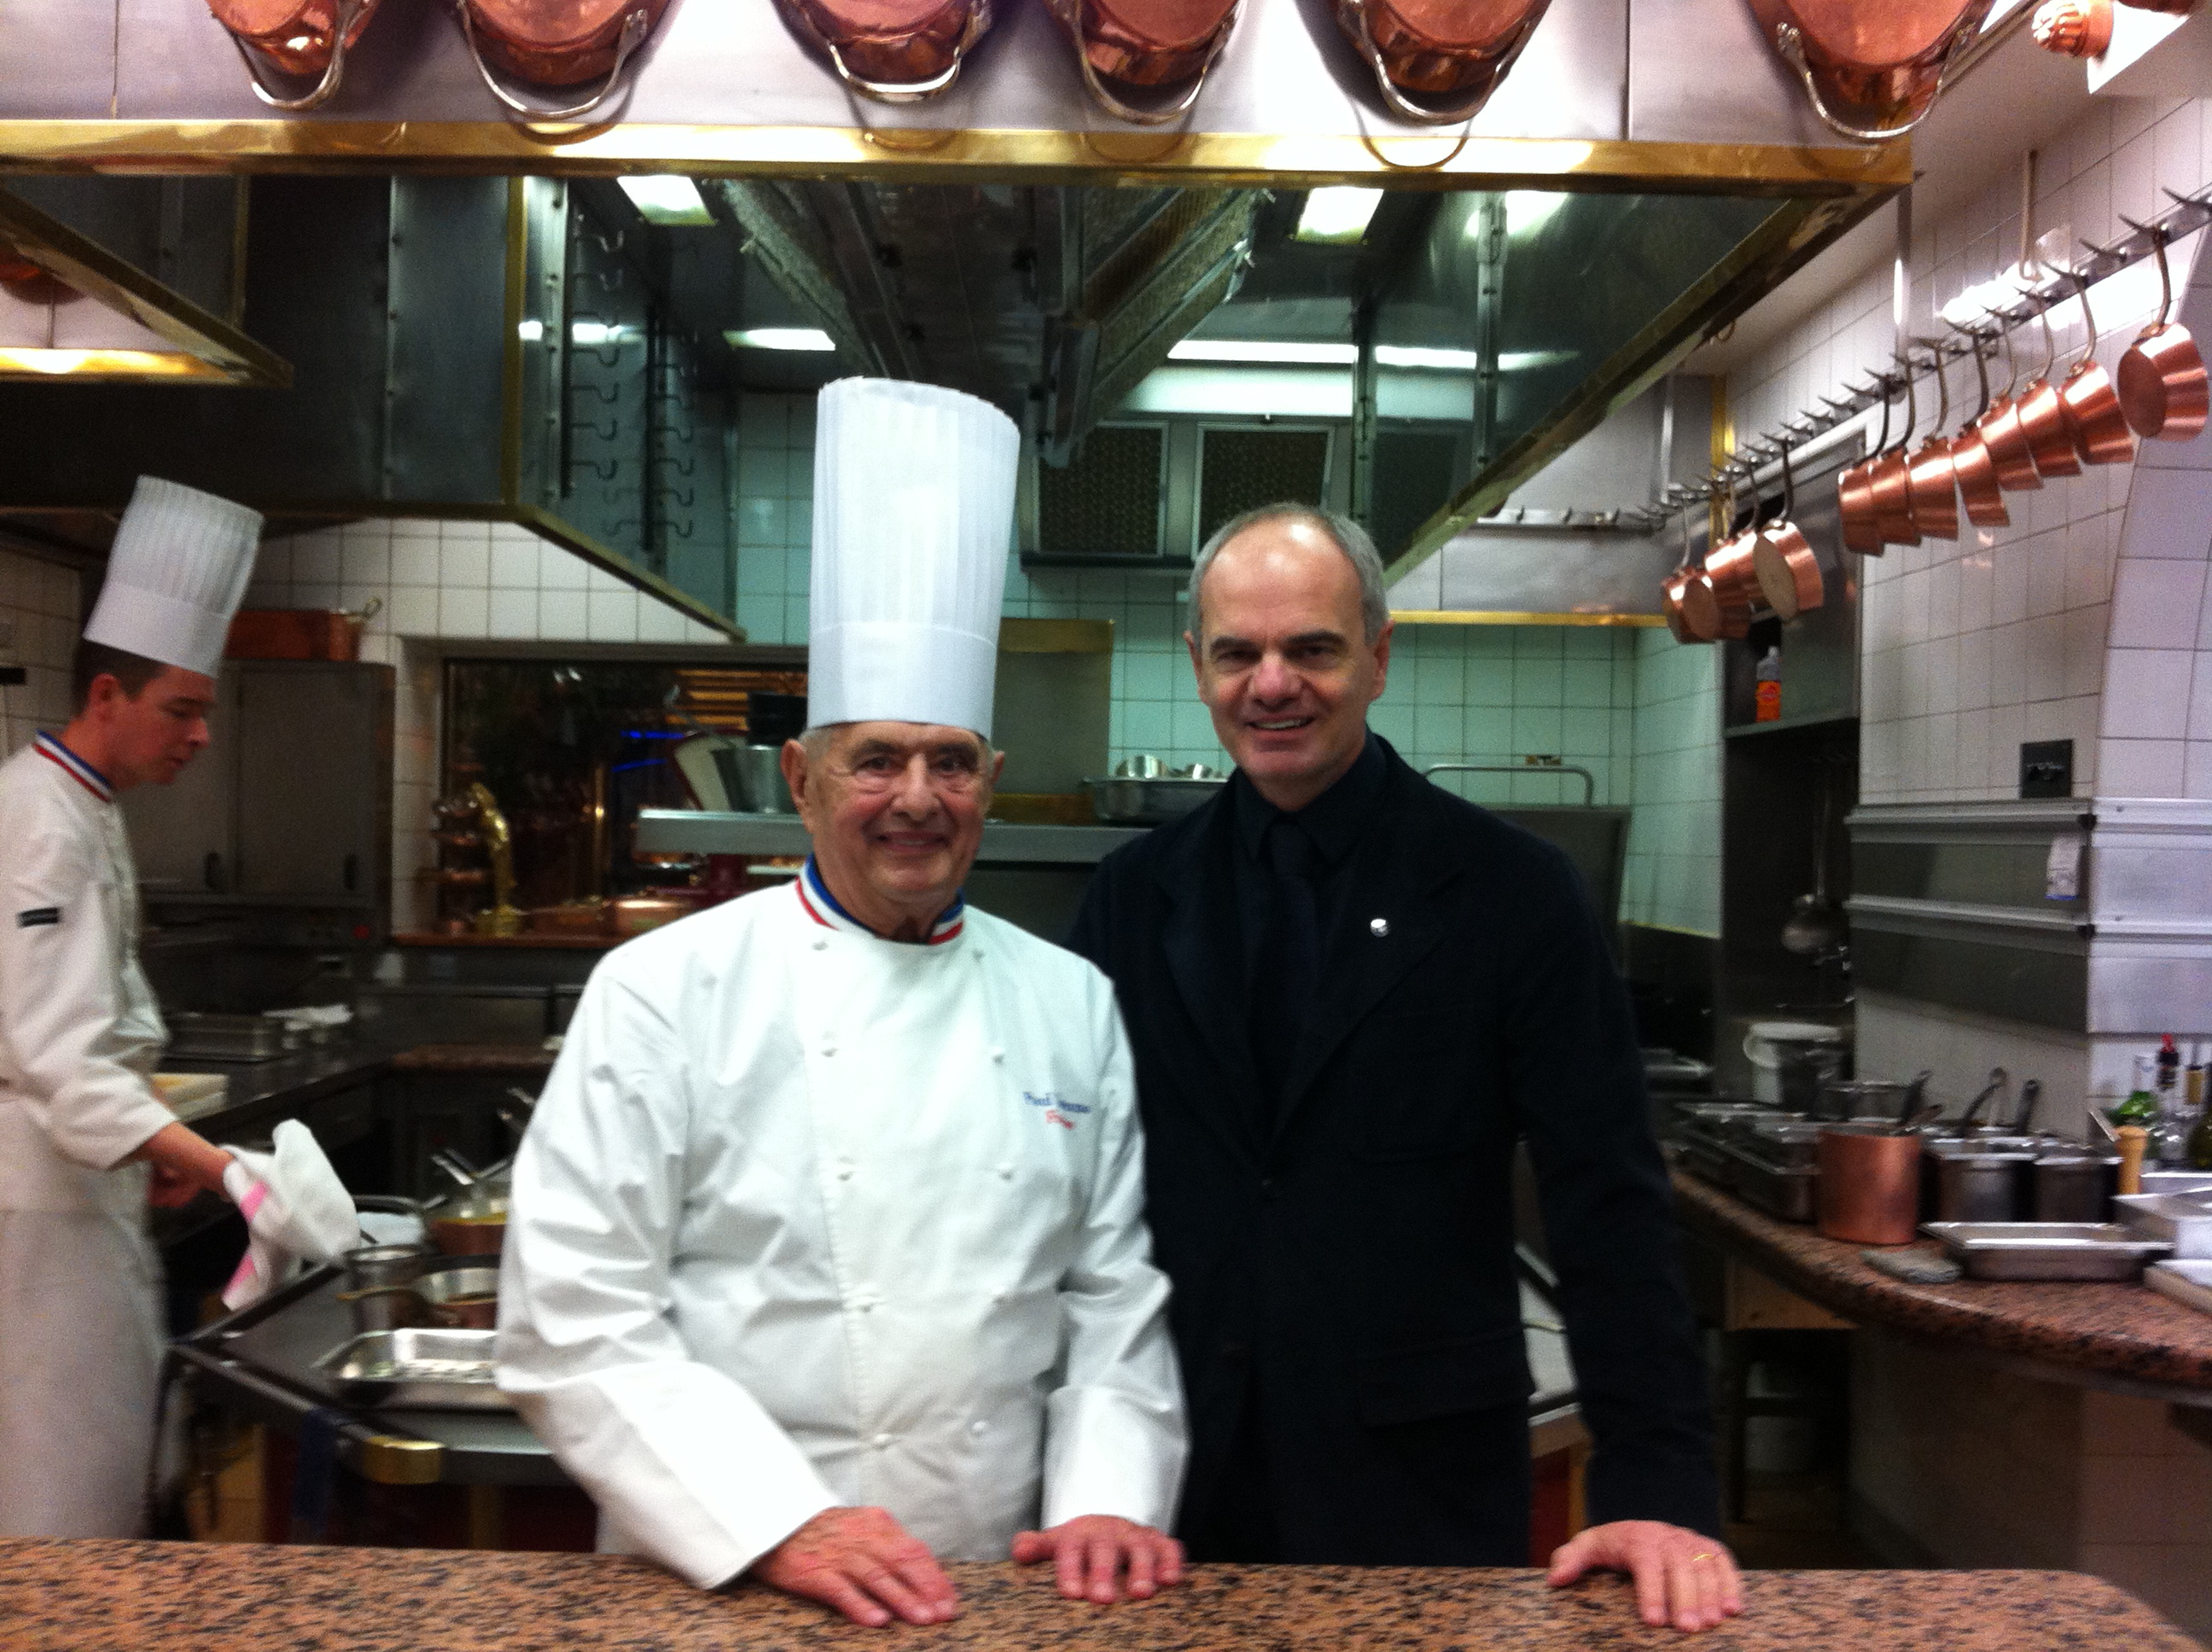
(1289, 958)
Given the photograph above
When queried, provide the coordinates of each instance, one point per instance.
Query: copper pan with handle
(893, 51)
(1438, 61)
(1788, 569)
(1854, 493)
(1933, 483)
(1686, 596)
(2043, 420)
(1971, 463)
(2163, 387)
(2000, 426)
(2094, 414)
(295, 37)
(1872, 71)
(1145, 61)
(556, 43)
(1890, 481)
(1735, 581)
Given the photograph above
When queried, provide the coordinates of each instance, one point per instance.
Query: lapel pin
(1378, 928)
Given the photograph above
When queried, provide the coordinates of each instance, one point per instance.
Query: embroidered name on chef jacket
(38, 917)
(1058, 1108)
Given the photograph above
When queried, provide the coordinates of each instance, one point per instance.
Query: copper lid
(1464, 25)
(549, 25)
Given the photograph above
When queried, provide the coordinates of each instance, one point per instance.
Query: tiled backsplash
(38, 604)
(1673, 879)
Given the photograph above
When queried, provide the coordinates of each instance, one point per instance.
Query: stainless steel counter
(695, 831)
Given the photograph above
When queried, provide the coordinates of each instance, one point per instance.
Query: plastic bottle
(2140, 1107)
(2169, 1070)
(1766, 697)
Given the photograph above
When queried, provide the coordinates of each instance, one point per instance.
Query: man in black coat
(1349, 994)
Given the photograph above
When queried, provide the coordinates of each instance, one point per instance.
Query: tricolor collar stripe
(78, 770)
(815, 899)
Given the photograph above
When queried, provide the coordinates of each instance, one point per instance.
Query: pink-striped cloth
(297, 1210)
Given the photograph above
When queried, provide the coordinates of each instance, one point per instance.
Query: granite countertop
(531, 1059)
(2118, 1330)
(109, 1596)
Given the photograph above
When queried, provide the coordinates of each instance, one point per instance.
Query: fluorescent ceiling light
(1528, 210)
(1416, 355)
(778, 338)
(530, 331)
(1279, 350)
(1521, 361)
(1337, 214)
(592, 334)
(666, 200)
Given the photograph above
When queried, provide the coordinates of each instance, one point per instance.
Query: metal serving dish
(2046, 1250)
(1124, 800)
(2177, 1181)
(1792, 1143)
(2183, 1220)
(416, 1369)
(202, 1037)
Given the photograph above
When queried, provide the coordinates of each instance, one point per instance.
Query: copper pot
(1687, 596)
(2162, 377)
(1854, 491)
(556, 43)
(2042, 412)
(1890, 481)
(1971, 463)
(1162, 47)
(1933, 486)
(1735, 581)
(1871, 72)
(893, 51)
(2099, 427)
(1789, 571)
(296, 37)
(1869, 1193)
(1438, 61)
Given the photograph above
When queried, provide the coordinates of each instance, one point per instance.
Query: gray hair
(1346, 534)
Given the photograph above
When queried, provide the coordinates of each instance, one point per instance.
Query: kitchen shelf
(1783, 724)
(698, 831)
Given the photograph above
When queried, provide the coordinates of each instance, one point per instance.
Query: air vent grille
(1106, 501)
(1241, 470)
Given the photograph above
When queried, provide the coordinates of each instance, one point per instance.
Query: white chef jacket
(80, 1324)
(806, 1217)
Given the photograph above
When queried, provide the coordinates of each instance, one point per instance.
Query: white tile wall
(442, 582)
(1970, 648)
(1672, 878)
(39, 601)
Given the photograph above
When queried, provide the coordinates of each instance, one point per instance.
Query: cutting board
(193, 1095)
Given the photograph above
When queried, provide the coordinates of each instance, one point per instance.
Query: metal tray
(1785, 1192)
(2189, 1284)
(196, 1036)
(1123, 801)
(2183, 1220)
(416, 1369)
(2046, 1250)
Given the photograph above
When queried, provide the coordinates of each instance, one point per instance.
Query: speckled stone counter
(528, 1060)
(89, 1596)
(2124, 1331)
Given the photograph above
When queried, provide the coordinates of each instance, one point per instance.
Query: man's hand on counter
(865, 1564)
(1683, 1577)
(1091, 1551)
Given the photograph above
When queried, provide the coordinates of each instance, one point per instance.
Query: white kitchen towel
(297, 1210)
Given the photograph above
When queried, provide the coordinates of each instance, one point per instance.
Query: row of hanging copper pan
(2161, 391)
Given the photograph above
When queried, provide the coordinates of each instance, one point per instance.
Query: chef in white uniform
(82, 1138)
(825, 1259)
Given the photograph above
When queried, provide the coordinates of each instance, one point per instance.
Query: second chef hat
(913, 506)
(178, 571)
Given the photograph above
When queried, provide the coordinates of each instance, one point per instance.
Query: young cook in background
(83, 1141)
(825, 1258)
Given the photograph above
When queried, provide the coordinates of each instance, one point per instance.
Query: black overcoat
(1356, 1257)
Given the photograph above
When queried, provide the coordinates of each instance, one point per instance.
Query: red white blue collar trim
(814, 897)
(81, 772)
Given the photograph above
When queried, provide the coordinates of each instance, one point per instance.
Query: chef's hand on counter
(184, 1162)
(1683, 1577)
(1091, 1550)
(865, 1564)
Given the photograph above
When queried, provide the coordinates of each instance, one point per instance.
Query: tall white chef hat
(179, 566)
(913, 506)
